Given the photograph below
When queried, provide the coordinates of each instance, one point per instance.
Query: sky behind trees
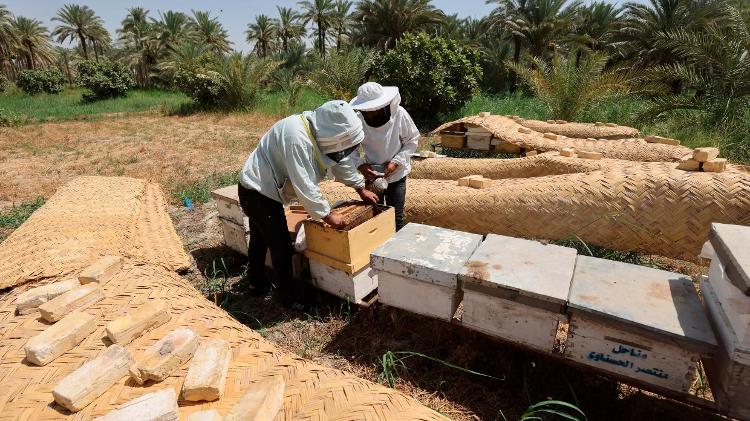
(234, 14)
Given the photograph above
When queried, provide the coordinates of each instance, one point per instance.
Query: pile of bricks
(475, 181)
(571, 153)
(705, 159)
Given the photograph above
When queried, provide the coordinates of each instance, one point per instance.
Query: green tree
(435, 76)
(339, 74)
(140, 47)
(567, 85)
(242, 78)
(77, 23)
(263, 33)
(211, 32)
(383, 22)
(321, 14)
(34, 49)
(8, 40)
(594, 27)
(288, 26)
(342, 20)
(172, 29)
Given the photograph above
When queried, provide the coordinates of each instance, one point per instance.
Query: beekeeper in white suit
(288, 163)
(390, 140)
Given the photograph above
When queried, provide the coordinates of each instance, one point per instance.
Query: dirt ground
(35, 160)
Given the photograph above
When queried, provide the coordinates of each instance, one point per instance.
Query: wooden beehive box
(453, 140)
(228, 204)
(351, 287)
(418, 269)
(516, 290)
(349, 250)
(641, 324)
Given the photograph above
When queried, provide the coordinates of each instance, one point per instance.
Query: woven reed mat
(628, 149)
(582, 130)
(533, 166)
(648, 207)
(87, 218)
(312, 391)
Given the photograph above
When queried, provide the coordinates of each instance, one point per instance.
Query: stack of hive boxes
(726, 296)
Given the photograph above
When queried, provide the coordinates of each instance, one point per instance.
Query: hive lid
(644, 298)
(730, 244)
(426, 253)
(227, 194)
(530, 268)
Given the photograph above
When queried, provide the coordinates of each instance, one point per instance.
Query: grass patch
(200, 192)
(275, 103)
(12, 218)
(69, 104)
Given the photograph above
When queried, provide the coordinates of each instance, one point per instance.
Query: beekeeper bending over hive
(390, 139)
(288, 163)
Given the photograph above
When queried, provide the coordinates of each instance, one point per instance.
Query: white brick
(207, 374)
(155, 406)
(79, 388)
(261, 402)
(59, 338)
(147, 316)
(569, 152)
(589, 155)
(29, 301)
(165, 356)
(102, 270)
(77, 298)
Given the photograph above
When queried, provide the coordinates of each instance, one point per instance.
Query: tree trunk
(83, 45)
(321, 39)
(516, 60)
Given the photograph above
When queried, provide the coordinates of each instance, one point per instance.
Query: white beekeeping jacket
(287, 164)
(394, 141)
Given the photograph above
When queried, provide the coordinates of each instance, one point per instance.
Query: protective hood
(336, 125)
(372, 96)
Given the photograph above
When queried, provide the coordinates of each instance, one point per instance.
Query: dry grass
(36, 159)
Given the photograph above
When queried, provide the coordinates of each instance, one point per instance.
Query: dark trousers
(395, 195)
(268, 229)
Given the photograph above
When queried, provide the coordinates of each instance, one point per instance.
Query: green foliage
(569, 85)
(4, 83)
(338, 75)
(200, 192)
(553, 409)
(16, 215)
(34, 82)
(205, 89)
(8, 118)
(391, 363)
(435, 76)
(104, 80)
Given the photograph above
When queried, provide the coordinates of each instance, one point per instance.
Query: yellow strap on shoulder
(321, 165)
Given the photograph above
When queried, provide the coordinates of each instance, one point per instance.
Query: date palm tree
(595, 27)
(77, 23)
(384, 22)
(172, 29)
(262, 33)
(136, 35)
(288, 26)
(8, 40)
(321, 14)
(341, 21)
(210, 32)
(34, 48)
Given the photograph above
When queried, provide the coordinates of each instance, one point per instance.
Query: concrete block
(589, 155)
(101, 271)
(147, 316)
(208, 415)
(552, 136)
(261, 402)
(426, 253)
(79, 388)
(59, 338)
(715, 165)
(512, 268)
(207, 374)
(29, 301)
(705, 154)
(524, 130)
(568, 152)
(480, 183)
(353, 287)
(464, 181)
(165, 356)
(662, 140)
(155, 406)
(689, 164)
(77, 298)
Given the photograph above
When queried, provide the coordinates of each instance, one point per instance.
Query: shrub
(205, 89)
(33, 82)
(339, 74)
(436, 76)
(8, 118)
(4, 83)
(106, 79)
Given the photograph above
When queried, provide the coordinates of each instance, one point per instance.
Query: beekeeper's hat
(337, 126)
(373, 96)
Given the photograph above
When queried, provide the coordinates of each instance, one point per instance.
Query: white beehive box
(516, 290)
(479, 142)
(641, 324)
(236, 237)
(418, 269)
(351, 287)
(228, 205)
(729, 310)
